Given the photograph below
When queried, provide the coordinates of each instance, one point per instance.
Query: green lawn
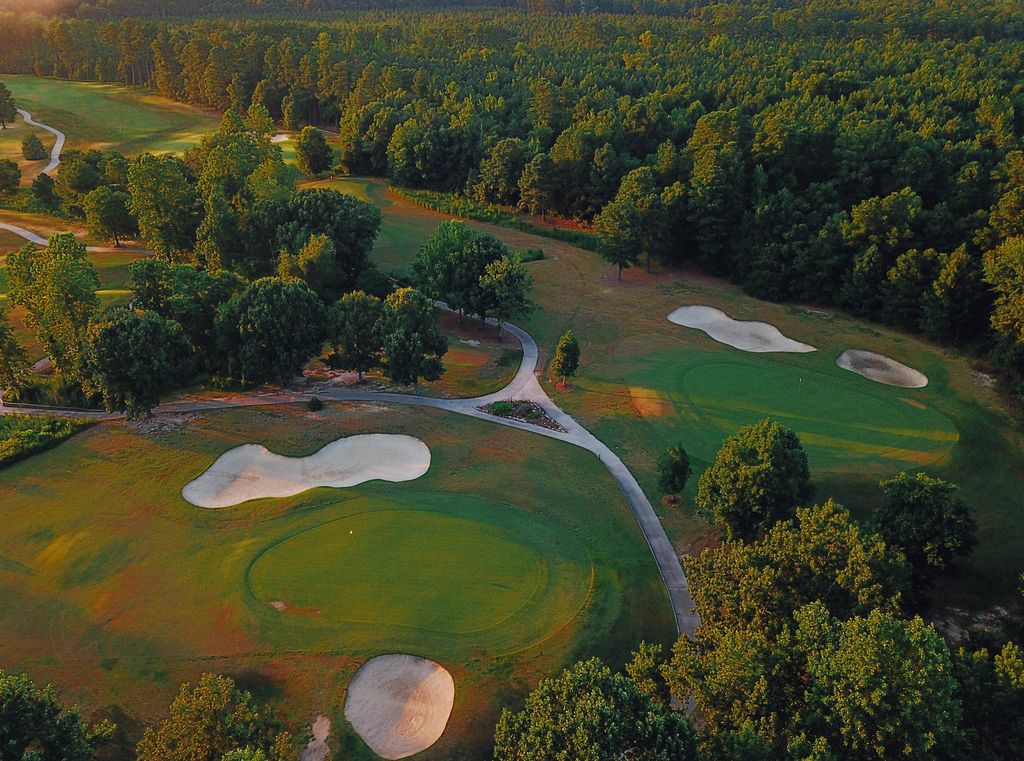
(106, 116)
(513, 556)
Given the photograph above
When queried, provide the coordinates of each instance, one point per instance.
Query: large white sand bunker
(400, 704)
(253, 472)
(880, 368)
(747, 335)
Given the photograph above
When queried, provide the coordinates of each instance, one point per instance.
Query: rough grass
(106, 116)
(512, 557)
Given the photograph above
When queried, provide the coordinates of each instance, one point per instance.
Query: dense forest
(864, 154)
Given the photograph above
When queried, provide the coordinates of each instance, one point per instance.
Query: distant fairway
(110, 116)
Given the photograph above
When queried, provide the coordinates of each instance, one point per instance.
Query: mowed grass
(512, 557)
(645, 383)
(107, 116)
(487, 575)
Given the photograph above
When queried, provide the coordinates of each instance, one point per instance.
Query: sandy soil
(400, 704)
(759, 337)
(882, 369)
(252, 471)
(317, 749)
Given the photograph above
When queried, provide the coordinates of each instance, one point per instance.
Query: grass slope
(645, 383)
(106, 116)
(513, 556)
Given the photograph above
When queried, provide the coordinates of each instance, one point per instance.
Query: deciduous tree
(506, 287)
(35, 725)
(270, 330)
(8, 112)
(312, 151)
(567, 356)
(589, 712)
(57, 286)
(210, 720)
(134, 358)
(14, 366)
(355, 331)
(165, 202)
(923, 518)
(760, 476)
(10, 177)
(107, 215)
(412, 342)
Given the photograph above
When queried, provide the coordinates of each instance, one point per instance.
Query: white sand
(750, 336)
(280, 138)
(880, 368)
(253, 472)
(399, 704)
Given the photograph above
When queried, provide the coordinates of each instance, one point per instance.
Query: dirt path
(58, 146)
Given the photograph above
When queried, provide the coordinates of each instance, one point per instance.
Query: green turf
(109, 116)
(844, 423)
(513, 556)
(458, 568)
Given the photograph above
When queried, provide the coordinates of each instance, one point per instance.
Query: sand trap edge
(887, 371)
(251, 471)
(378, 697)
(754, 336)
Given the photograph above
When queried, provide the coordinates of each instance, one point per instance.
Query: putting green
(841, 424)
(461, 569)
(402, 568)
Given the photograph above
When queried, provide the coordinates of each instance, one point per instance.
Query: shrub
(22, 436)
(315, 404)
(32, 148)
(502, 409)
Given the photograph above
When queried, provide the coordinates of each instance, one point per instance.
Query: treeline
(866, 154)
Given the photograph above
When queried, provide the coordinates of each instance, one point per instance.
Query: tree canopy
(759, 476)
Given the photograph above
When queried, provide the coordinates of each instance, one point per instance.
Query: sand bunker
(399, 704)
(750, 336)
(280, 137)
(882, 369)
(253, 472)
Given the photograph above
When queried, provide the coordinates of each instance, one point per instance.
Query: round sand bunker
(881, 369)
(399, 704)
(252, 471)
(747, 335)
